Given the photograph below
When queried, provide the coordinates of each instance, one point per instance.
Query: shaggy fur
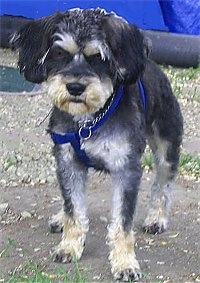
(84, 56)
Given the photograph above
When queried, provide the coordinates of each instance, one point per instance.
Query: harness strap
(74, 139)
(142, 93)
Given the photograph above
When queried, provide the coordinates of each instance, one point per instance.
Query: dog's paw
(127, 275)
(55, 227)
(69, 250)
(124, 265)
(155, 223)
(55, 224)
(61, 256)
(154, 228)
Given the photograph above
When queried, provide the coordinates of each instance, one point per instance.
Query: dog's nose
(75, 89)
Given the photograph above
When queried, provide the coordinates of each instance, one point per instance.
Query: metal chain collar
(88, 125)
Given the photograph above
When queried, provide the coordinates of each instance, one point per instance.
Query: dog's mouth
(76, 100)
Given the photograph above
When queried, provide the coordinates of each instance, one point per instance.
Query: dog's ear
(32, 42)
(148, 46)
(128, 47)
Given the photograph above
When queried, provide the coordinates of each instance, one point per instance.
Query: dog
(108, 98)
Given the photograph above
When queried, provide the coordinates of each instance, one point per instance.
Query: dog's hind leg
(72, 178)
(166, 158)
(56, 222)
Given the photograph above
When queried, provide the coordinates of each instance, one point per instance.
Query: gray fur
(117, 146)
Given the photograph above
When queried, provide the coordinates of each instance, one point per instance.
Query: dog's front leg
(124, 265)
(72, 178)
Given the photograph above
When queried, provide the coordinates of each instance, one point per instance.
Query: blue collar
(86, 130)
(143, 94)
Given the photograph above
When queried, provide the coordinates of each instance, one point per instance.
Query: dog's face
(82, 55)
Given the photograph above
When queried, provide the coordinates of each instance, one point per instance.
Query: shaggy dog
(108, 99)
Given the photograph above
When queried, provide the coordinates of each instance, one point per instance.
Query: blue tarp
(179, 16)
(146, 14)
(182, 16)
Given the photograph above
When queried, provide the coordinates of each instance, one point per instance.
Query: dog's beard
(91, 100)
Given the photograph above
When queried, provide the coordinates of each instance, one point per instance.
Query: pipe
(178, 50)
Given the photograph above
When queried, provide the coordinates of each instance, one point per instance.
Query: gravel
(25, 148)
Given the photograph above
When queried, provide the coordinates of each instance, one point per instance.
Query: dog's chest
(111, 150)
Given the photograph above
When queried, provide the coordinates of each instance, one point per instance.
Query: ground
(29, 195)
(170, 257)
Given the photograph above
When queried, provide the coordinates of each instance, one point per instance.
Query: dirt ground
(173, 256)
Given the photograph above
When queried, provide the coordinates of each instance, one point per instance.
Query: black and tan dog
(108, 99)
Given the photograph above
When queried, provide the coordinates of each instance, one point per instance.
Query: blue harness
(87, 129)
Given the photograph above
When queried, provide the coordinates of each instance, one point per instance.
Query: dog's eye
(94, 58)
(59, 53)
(97, 56)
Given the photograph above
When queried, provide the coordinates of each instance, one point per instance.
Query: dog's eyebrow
(93, 47)
(41, 60)
(66, 41)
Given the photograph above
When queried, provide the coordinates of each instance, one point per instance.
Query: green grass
(9, 245)
(186, 74)
(150, 278)
(33, 273)
(184, 82)
(188, 164)
(147, 160)
(10, 161)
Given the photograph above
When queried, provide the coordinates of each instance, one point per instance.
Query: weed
(10, 244)
(184, 82)
(31, 272)
(10, 161)
(149, 278)
(190, 164)
(147, 160)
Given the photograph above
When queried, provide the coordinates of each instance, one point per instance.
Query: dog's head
(82, 55)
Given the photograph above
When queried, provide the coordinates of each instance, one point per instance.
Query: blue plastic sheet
(182, 16)
(179, 16)
(146, 14)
